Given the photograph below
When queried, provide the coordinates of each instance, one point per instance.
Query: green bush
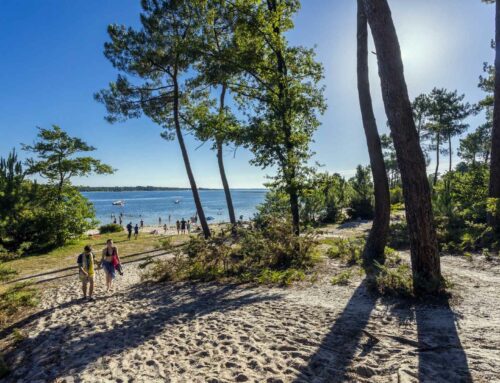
(393, 281)
(342, 278)
(348, 250)
(110, 228)
(271, 254)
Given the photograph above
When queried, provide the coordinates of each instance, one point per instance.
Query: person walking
(86, 266)
(188, 226)
(129, 229)
(183, 226)
(178, 224)
(109, 261)
(136, 231)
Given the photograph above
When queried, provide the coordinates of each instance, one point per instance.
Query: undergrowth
(271, 254)
(16, 298)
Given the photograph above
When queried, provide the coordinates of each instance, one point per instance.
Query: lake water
(150, 205)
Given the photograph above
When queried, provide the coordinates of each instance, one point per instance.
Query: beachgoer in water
(183, 226)
(165, 228)
(109, 261)
(129, 229)
(178, 224)
(114, 220)
(159, 221)
(136, 231)
(86, 265)
(188, 226)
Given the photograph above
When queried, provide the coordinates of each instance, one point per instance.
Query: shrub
(110, 228)
(349, 250)
(271, 254)
(393, 281)
(342, 278)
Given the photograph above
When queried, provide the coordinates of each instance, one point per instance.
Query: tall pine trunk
(425, 260)
(220, 160)
(438, 145)
(494, 189)
(375, 245)
(289, 169)
(185, 157)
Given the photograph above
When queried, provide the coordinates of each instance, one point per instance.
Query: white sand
(223, 333)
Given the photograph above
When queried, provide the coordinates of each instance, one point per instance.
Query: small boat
(210, 218)
(118, 203)
(177, 201)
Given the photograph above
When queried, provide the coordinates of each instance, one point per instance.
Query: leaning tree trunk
(220, 160)
(185, 157)
(375, 245)
(494, 189)
(425, 260)
(438, 144)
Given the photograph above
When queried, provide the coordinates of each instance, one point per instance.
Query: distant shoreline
(147, 188)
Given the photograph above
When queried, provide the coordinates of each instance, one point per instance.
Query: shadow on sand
(68, 350)
(441, 358)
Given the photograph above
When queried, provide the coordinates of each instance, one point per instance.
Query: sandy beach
(146, 332)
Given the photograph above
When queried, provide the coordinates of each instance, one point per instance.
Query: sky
(52, 63)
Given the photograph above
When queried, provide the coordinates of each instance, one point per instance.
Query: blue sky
(52, 63)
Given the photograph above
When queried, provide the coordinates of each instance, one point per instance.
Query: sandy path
(224, 333)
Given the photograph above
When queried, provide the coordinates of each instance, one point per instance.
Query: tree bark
(220, 160)
(425, 260)
(438, 144)
(494, 187)
(185, 157)
(375, 245)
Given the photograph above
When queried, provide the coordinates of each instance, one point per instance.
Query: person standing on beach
(109, 261)
(136, 231)
(120, 219)
(114, 220)
(142, 223)
(86, 263)
(169, 220)
(178, 224)
(129, 229)
(159, 221)
(183, 226)
(188, 226)
(165, 229)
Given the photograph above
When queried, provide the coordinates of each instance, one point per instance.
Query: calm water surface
(150, 205)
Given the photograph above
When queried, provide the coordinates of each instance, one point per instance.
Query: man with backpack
(86, 266)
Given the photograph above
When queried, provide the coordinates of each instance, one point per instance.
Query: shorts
(86, 278)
